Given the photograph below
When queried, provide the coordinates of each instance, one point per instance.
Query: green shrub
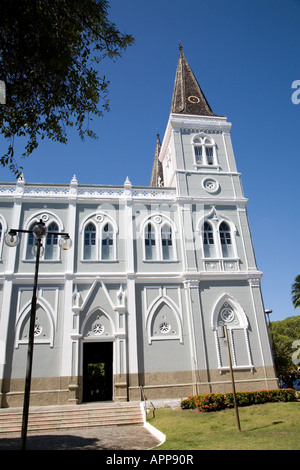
(188, 403)
(220, 401)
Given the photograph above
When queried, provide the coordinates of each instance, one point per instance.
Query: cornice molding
(198, 122)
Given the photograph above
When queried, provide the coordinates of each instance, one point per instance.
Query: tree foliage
(286, 334)
(49, 56)
(296, 292)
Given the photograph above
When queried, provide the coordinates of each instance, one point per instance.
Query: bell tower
(196, 154)
(196, 157)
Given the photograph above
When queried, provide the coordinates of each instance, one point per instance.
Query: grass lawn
(271, 426)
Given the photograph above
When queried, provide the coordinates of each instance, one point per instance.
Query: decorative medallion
(37, 330)
(227, 314)
(164, 327)
(98, 329)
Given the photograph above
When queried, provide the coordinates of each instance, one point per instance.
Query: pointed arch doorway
(97, 374)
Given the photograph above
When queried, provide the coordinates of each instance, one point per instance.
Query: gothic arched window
(229, 314)
(226, 240)
(30, 243)
(208, 241)
(205, 150)
(107, 242)
(51, 242)
(167, 242)
(89, 251)
(150, 242)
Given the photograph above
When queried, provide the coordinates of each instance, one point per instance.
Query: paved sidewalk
(102, 438)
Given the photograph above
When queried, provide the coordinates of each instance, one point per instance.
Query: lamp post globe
(65, 242)
(40, 230)
(11, 239)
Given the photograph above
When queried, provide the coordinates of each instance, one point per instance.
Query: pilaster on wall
(132, 333)
(246, 239)
(11, 254)
(261, 327)
(196, 331)
(187, 238)
(70, 348)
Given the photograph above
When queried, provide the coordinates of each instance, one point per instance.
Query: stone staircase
(60, 418)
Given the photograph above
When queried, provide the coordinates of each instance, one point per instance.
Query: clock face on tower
(193, 99)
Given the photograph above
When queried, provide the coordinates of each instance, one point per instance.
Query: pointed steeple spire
(157, 173)
(188, 97)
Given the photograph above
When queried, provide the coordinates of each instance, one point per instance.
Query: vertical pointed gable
(188, 97)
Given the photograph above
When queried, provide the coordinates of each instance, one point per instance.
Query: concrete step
(62, 418)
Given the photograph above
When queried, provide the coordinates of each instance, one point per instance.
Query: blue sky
(245, 55)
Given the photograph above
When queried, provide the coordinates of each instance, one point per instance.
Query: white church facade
(152, 274)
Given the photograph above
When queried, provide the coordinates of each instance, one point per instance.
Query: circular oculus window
(194, 99)
(210, 185)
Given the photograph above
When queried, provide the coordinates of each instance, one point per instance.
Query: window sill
(206, 167)
(42, 260)
(160, 261)
(85, 261)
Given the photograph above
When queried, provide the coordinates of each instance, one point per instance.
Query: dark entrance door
(97, 371)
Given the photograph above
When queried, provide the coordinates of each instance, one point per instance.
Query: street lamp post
(225, 332)
(271, 337)
(12, 239)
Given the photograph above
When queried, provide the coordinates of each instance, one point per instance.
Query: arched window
(150, 242)
(51, 243)
(30, 243)
(208, 241)
(226, 240)
(89, 251)
(107, 242)
(99, 238)
(50, 248)
(167, 242)
(205, 151)
(229, 313)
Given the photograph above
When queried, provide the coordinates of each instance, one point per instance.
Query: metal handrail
(144, 399)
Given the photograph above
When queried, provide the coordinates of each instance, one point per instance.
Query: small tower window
(209, 155)
(205, 151)
(198, 155)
